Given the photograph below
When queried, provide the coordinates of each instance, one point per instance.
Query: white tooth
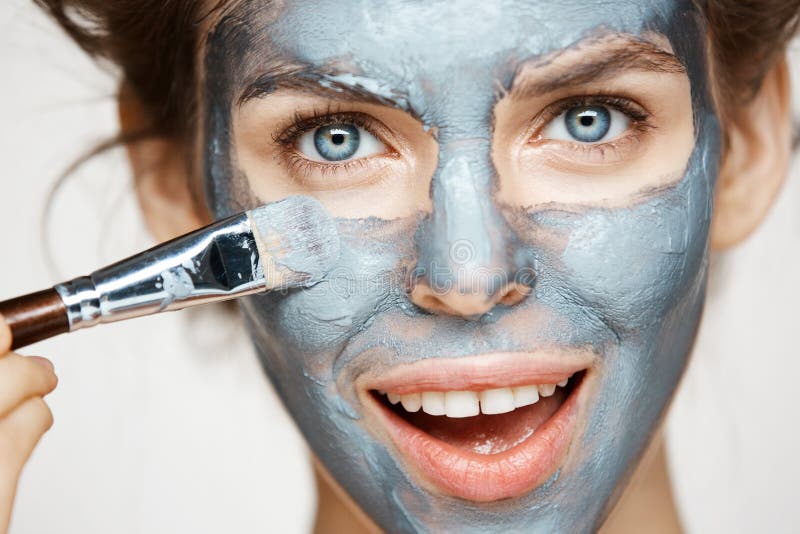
(563, 383)
(461, 404)
(545, 390)
(394, 398)
(381, 392)
(525, 395)
(433, 402)
(411, 402)
(494, 401)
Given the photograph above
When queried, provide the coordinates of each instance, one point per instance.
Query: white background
(167, 425)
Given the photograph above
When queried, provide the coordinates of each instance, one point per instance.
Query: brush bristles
(297, 239)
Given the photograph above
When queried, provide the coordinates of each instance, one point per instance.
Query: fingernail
(44, 362)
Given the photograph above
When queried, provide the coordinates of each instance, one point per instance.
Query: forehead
(435, 34)
(426, 51)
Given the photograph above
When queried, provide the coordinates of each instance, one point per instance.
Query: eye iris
(588, 124)
(337, 142)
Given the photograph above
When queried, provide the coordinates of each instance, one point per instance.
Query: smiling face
(523, 193)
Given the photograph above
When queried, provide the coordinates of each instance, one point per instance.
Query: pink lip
(486, 371)
(482, 477)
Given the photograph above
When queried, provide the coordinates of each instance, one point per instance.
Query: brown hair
(747, 38)
(154, 44)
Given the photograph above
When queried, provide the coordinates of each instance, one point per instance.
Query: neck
(336, 512)
(648, 498)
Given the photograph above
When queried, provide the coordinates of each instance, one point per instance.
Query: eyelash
(317, 118)
(303, 123)
(636, 112)
(638, 115)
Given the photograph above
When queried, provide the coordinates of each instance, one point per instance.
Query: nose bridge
(464, 246)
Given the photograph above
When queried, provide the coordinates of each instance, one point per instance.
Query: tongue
(487, 434)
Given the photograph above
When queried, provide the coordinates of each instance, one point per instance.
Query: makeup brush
(287, 244)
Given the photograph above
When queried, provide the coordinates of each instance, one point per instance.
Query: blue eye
(339, 142)
(587, 124)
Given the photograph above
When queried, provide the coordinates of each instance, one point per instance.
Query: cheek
(369, 278)
(628, 267)
(630, 263)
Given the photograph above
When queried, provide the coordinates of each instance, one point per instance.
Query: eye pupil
(337, 142)
(588, 124)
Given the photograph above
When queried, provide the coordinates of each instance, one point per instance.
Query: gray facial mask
(627, 282)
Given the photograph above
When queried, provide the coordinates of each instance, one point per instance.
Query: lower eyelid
(609, 152)
(322, 176)
(296, 158)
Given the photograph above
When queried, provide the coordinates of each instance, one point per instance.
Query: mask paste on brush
(297, 238)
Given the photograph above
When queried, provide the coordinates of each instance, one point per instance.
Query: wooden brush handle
(35, 317)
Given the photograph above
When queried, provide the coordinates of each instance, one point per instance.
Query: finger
(20, 431)
(5, 336)
(22, 378)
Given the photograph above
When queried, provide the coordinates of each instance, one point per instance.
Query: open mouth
(484, 422)
(483, 443)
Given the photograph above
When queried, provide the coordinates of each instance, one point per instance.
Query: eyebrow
(307, 79)
(624, 56)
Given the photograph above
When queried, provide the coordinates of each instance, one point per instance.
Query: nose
(466, 264)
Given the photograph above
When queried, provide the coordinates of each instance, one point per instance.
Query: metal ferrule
(216, 263)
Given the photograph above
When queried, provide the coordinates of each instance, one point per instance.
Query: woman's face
(523, 194)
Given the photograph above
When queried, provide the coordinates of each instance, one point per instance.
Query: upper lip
(481, 372)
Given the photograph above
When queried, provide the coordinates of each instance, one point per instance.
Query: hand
(24, 416)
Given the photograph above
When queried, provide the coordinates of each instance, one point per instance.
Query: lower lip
(485, 478)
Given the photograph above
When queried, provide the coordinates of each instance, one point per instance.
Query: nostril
(467, 304)
(432, 303)
(514, 294)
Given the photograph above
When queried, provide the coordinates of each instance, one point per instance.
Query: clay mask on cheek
(622, 284)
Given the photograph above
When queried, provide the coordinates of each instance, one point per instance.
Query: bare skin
(647, 506)
(24, 415)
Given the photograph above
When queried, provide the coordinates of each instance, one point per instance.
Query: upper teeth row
(471, 403)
